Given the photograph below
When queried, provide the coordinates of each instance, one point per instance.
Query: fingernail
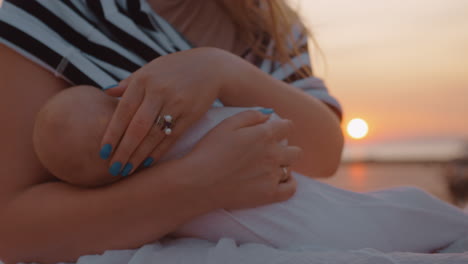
(115, 168)
(267, 111)
(148, 161)
(105, 151)
(111, 86)
(127, 169)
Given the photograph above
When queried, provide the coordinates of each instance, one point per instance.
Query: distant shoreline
(406, 162)
(453, 152)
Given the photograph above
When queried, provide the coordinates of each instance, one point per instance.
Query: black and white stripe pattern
(100, 42)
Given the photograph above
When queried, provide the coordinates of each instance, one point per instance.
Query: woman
(50, 46)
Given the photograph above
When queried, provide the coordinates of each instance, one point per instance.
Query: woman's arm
(44, 220)
(54, 221)
(316, 127)
(48, 221)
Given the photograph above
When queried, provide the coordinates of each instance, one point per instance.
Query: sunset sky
(402, 65)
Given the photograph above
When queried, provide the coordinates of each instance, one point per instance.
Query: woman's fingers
(275, 130)
(136, 137)
(120, 120)
(280, 129)
(141, 156)
(156, 139)
(289, 155)
(240, 120)
(158, 151)
(244, 119)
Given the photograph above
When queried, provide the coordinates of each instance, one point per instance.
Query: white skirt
(320, 216)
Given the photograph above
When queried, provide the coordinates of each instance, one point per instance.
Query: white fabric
(322, 216)
(226, 251)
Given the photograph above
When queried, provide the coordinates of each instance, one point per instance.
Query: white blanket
(194, 251)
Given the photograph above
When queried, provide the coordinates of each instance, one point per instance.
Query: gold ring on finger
(285, 176)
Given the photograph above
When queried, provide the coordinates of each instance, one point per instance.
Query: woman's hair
(256, 20)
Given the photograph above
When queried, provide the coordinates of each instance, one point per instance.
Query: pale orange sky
(401, 65)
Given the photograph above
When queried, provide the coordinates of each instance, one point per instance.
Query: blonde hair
(273, 19)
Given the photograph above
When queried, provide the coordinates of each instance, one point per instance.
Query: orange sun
(357, 128)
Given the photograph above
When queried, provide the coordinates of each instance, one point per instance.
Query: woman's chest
(203, 23)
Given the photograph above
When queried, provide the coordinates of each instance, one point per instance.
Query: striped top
(100, 42)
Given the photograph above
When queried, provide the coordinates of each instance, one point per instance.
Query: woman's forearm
(55, 221)
(316, 127)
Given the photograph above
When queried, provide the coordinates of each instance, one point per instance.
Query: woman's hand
(183, 85)
(238, 163)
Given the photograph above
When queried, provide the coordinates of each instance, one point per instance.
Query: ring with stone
(165, 123)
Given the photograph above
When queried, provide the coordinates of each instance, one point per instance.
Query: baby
(68, 133)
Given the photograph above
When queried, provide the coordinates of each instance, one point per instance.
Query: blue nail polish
(105, 151)
(127, 169)
(115, 168)
(148, 161)
(267, 111)
(110, 86)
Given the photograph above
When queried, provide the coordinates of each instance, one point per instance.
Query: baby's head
(68, 133)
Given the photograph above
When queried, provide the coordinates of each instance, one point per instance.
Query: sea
(370, 176)
(422, 162)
